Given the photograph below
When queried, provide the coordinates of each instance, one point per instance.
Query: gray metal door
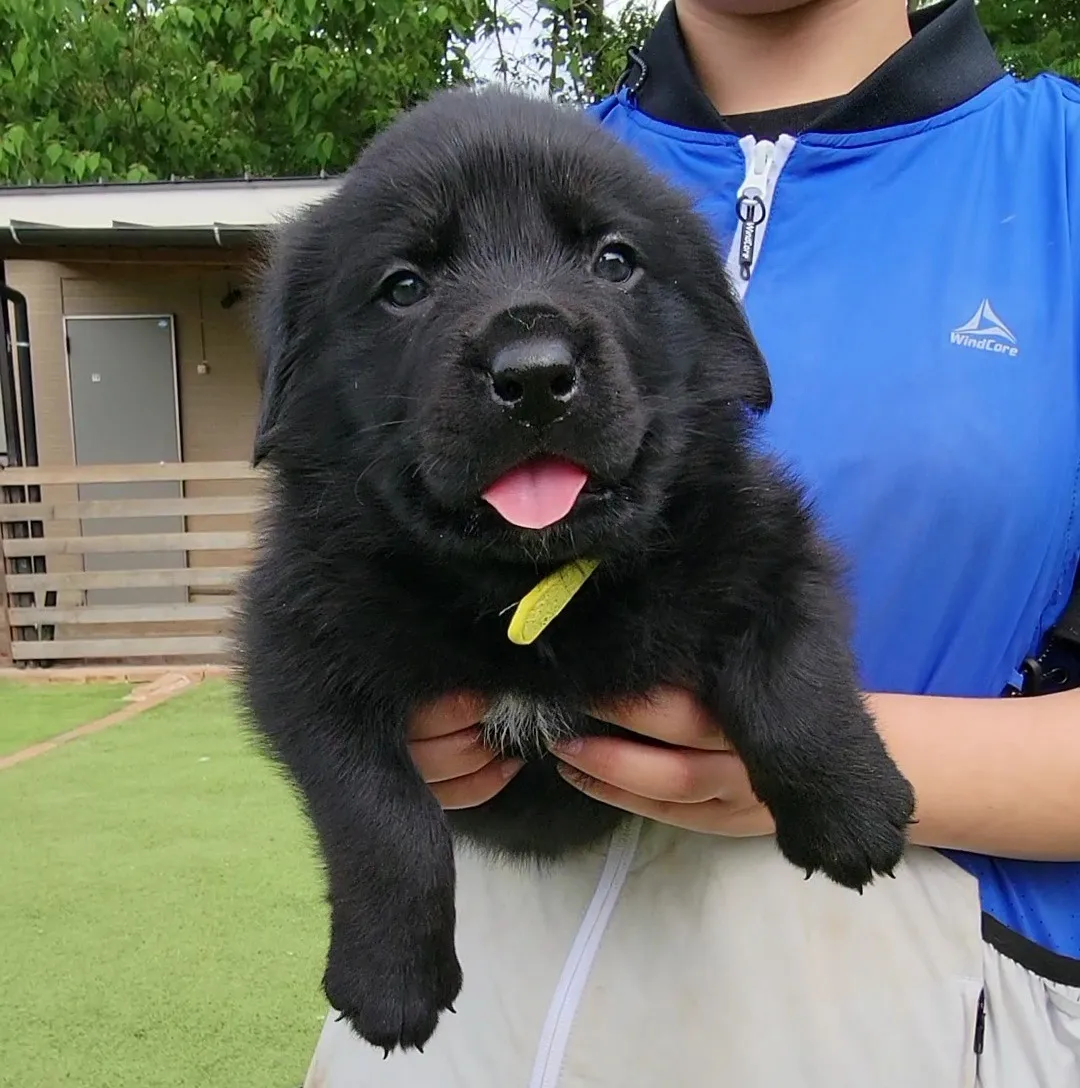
(124, 411)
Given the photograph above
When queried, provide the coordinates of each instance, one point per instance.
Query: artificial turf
(161, 918)
(33, 712)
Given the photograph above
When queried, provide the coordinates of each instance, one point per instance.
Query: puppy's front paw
(850, 828)
(392, 988)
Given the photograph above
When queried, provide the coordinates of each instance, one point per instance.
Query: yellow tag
(545, 601)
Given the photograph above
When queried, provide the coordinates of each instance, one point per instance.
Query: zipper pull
(765, 160)
(751, 216)
(750, 203)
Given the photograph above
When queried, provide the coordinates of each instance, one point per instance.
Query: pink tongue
(537, 494)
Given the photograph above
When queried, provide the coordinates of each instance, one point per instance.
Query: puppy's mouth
(540, 492)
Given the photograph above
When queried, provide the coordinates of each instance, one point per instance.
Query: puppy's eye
(403, 289)
(615, 264)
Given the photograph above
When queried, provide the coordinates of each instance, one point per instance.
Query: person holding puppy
(903, 223)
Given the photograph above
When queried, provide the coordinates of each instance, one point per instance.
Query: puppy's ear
(745, 376)
(754, 381)
(277, 336)
(277, 363)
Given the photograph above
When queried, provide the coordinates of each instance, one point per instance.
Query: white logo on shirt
(985, 331)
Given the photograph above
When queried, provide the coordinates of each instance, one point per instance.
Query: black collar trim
(948, 61)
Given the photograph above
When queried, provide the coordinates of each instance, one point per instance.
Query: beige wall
(217, 408)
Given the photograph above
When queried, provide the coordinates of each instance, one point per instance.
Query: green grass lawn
(161, 917)
(33, 712)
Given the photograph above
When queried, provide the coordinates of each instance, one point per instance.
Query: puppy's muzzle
(535, 380)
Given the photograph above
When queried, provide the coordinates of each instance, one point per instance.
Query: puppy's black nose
(537, 379)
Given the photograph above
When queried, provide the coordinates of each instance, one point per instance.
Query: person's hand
(444, 741)
(701, 784)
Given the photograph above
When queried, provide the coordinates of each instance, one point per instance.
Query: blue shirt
(916, 293)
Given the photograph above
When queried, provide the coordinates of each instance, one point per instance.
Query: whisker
(380, 426)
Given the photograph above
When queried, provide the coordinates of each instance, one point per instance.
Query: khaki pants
(674, 960)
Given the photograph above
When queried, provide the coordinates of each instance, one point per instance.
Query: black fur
(384, 580)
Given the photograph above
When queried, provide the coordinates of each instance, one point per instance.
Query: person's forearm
(993, 776)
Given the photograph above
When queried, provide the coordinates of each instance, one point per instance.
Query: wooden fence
(115, 563)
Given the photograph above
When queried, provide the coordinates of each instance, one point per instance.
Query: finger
(667, 714)
(705, 816)
(449, 714)
(682, 775)
(474, 789)
(452, 756)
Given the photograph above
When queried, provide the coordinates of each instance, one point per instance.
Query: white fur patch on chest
(514, 722)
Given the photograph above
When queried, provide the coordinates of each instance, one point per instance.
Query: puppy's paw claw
(393, 993)
(850, 837)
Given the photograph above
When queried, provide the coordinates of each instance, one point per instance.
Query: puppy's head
(504, 330)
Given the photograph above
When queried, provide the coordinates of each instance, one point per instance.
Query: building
(140, 290)
(140, 355)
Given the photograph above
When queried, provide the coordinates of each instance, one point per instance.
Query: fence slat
(121, 613)
(5, 620)
(225, 505)
(176, 646)
(121, 579)
(126, 474)
(127, 542)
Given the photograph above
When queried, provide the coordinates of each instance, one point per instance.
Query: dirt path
(142, 697)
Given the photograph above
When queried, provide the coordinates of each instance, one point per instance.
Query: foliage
(580, 51)
(1033, 36)
(145, 89)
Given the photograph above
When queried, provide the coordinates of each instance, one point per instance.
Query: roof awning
(221, 214)
(223, 235)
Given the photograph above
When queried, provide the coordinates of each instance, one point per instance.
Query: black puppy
(501, 347)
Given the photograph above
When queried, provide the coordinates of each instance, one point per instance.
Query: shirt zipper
(753, 204)
(555, 1035)
(764, 161)
(980, 1022)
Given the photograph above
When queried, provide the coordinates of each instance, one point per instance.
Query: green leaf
(152, 110)
(15, 138)
(232, 82)
(277, 77)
